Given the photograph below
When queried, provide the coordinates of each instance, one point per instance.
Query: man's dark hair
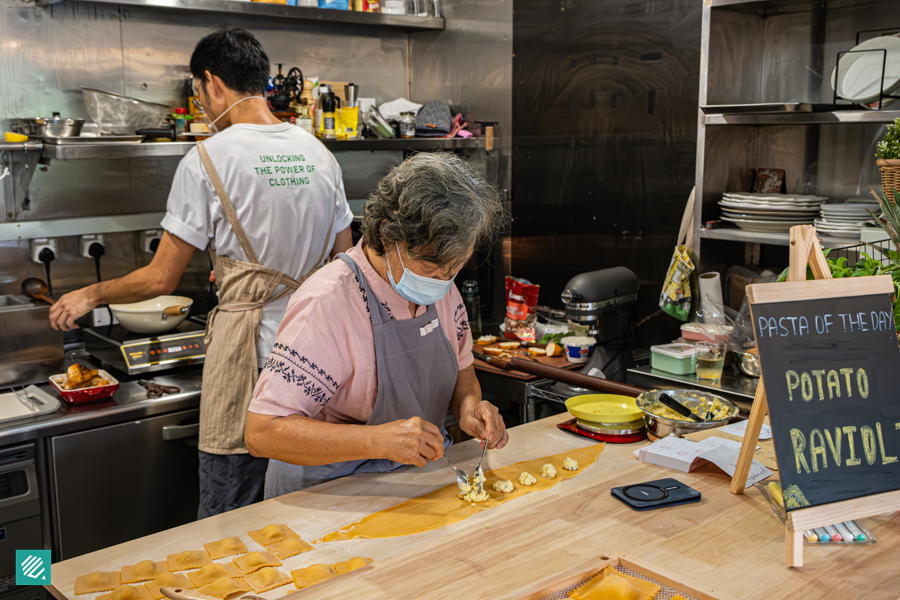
(235, 56)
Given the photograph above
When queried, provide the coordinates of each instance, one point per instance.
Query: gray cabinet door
(122, 482)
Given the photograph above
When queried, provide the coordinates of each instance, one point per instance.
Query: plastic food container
(673, 358)
(89, 394)
(578, 348)
(706, 333)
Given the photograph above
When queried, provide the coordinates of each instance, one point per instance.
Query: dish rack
(883, 94)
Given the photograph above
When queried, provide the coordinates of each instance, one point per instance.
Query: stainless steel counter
(128, 404)
(735, 387)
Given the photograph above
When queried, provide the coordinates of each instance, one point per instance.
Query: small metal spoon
(479, 472)
(462, 479)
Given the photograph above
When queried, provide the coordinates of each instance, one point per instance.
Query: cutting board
(559, 362)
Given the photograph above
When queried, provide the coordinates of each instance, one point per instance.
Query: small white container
(677, 358)
(578, 348)
(393, 7)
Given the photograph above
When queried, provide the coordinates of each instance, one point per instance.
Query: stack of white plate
(845, 220)
(772, 213)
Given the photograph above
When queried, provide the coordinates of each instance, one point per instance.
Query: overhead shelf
(778, 6)
(836, 117)
(162, 149)
(279, 11)
(772, 239)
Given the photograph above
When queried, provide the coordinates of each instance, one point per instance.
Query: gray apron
(416, 367)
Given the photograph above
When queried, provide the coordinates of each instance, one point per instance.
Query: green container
(677, 359)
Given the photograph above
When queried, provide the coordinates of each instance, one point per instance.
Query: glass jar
(407, 124)
(472, 301)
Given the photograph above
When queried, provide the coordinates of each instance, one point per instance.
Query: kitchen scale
(136, 353)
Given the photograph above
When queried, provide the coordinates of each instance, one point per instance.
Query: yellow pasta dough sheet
(271, 534)
(267, 578)
(174, 580)
(288, 548)
(96, 582)
(255, 561)
(229, 546)
(143, 571)
(127, 592)
(312, 575)
(225, 587)
(213, 572)
(444, 507)
(353, 564)
(610, 584)
(189, 559)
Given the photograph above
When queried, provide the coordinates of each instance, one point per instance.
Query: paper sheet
(686, 455)
(740, 428)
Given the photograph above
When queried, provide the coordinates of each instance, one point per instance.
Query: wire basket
(890, 176)
(877, 250)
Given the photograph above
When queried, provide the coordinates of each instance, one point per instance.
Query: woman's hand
(412, 441)
(484, 422)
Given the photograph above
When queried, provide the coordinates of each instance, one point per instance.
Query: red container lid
(180, 111)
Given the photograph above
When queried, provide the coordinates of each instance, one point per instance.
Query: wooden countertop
(731, 544)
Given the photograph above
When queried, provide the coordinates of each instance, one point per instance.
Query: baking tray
(94, 139)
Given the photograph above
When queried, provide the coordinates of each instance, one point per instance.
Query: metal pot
(52, 127)
(748, 364)
(156, 315)
(662, 427)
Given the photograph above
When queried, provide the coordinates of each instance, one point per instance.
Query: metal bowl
(122, 114)
(748, 364)
(51, 127)
(662, 427)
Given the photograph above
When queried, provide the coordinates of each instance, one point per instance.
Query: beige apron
(230, 370)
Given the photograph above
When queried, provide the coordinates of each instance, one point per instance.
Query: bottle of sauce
(329, 109)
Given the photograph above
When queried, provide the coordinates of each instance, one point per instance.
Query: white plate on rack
(789, 208)
(764, 226)
(861, 71)
(778, 219)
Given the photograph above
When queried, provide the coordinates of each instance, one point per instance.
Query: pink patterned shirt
(323, 362)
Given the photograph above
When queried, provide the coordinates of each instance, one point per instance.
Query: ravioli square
(189, 559)
(354, 563)
(143, 571)
(213, 572)
(225, 587)
(256, 561)
(96, 582)
(175, 580)
(127, 592)
(229, 546)
(312, 575)
(271, 534)
(267, 578)
(610, 583)
(289, 547)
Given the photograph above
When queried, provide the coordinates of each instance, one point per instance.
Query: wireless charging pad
(655, 494)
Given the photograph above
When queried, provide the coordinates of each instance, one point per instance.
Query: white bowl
(578, 348)
(148, 316)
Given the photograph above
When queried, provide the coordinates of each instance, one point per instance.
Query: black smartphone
(655, 494)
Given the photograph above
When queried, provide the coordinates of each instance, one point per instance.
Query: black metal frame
(882, 93)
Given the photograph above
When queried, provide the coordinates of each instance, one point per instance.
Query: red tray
(612, 439)
(90, 394)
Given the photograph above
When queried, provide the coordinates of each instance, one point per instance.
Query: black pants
(230, 481)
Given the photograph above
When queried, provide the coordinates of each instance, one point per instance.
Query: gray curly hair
(437, 205)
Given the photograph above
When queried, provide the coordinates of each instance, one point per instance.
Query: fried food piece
(175, 580)
(312, 575)
(271, 534)
(357, 562)
(289, 547)
(96, 582)
(143, 571)
(127, 592)
(229, 546)
(78, 376)
(267, 578)
(256, 561)
(189, 559)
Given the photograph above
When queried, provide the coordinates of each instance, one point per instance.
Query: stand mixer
(599, 301)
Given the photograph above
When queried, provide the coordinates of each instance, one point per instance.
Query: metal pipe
(18, 146)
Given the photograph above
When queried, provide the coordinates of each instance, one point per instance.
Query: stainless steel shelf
(837, 117)
(772, 239)
(161, 149)
(777, 6)
(280, 11)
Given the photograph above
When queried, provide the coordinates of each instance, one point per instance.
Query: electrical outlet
(85, 241)
(147, 238)
(39, 244)
(100, 317)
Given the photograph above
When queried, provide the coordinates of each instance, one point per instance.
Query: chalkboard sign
(831, 368)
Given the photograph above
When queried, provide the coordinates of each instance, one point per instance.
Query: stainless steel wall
(605, 124)
(46, 54)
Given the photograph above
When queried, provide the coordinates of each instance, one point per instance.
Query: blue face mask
(417, 289)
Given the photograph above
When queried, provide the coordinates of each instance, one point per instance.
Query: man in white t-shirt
(278, 210)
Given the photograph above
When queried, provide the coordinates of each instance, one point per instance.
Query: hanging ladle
(36, 289)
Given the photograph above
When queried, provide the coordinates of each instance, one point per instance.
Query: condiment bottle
(180, 121)
(472, 301)
(329, 106)
(407, 123)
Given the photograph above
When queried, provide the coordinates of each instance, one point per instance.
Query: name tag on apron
(423, 331)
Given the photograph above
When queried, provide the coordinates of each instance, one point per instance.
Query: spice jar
(407, 124)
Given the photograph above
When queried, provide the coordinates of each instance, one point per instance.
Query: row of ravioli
(194, 569)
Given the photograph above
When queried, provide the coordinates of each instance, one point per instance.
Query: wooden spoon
(36, 289)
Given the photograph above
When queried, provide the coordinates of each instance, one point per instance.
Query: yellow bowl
(14, 137)
(604, 408)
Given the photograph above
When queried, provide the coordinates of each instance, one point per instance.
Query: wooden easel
(805, 250)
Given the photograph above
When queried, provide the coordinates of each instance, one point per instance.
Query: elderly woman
(375, 348)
